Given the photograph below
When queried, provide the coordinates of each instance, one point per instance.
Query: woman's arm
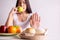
(9, 21)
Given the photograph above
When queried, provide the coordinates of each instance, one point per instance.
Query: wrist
(11, 14)
(35, 27)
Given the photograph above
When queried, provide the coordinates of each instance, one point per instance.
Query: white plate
(7, 34)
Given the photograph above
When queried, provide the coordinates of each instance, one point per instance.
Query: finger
(36, 17)
(33, 17)
(15, 9)
(39, 19)
(31, 22)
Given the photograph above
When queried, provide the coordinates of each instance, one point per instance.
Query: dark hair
(28, 9)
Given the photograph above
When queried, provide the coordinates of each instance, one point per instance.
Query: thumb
(31, 22)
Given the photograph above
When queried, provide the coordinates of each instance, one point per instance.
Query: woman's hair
(28, 9)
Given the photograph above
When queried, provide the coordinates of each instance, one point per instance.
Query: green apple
(16, 26)
(18, 29)
(20, 9)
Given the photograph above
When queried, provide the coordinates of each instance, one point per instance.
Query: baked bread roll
(41, 31)
(29, 32)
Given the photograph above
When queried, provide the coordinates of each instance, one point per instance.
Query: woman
(23, 19)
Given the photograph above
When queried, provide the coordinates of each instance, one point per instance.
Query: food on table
(20, 9)
(29, 32)
(33, 34)
(2, 28)
(41, 31)
(18, 29)
(14, 29)
(11, 29)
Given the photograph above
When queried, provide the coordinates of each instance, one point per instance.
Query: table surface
(10, 38)
(17, 38)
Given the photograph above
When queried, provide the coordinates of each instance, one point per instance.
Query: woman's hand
(14, 10)
(35, 21)
(9, 21)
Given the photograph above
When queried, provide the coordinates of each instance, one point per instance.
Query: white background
(49, 11)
